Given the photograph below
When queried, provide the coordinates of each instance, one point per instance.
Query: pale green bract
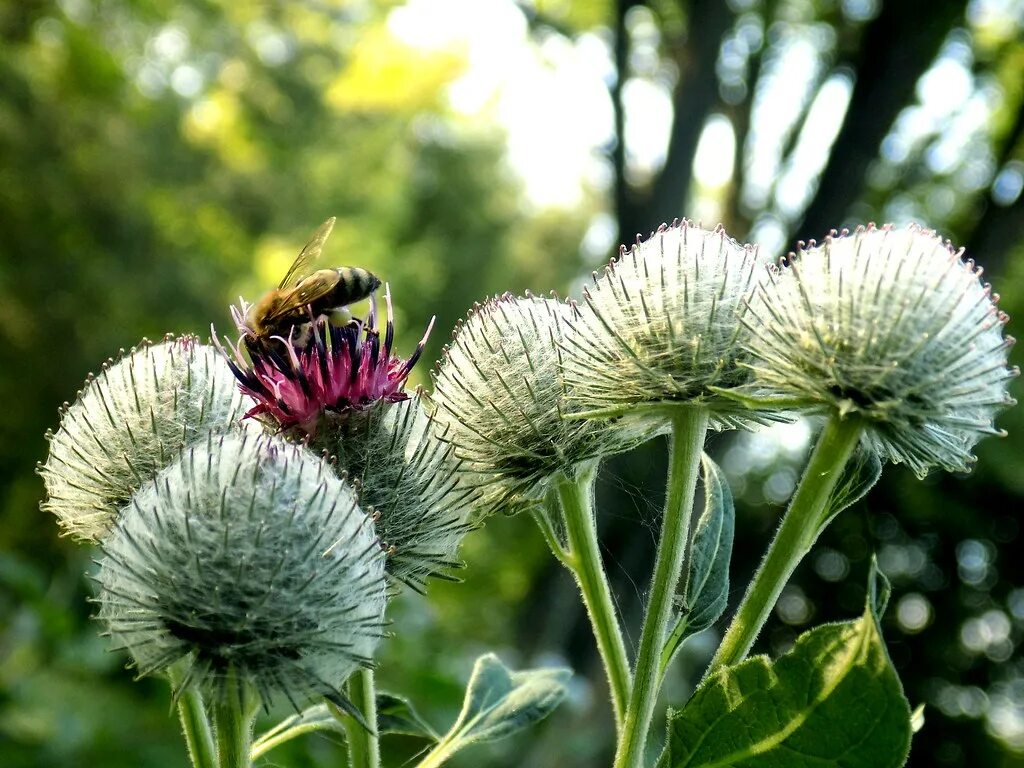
(128, 423)
(411, 480)
(246, 557)
(890, 326)
(499, 400)
(661, 326)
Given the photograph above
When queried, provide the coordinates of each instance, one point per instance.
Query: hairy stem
(689, 428)
(234, 714)
(799, 529)
(363, 746)
(576, 497)
(439, 755)
(194, 724)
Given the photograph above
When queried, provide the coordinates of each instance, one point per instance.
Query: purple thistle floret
(320, 368)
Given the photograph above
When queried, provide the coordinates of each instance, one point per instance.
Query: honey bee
(305, 293)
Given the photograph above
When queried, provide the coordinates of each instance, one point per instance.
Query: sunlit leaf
(834, 699)
(500, 702)
(386, 74)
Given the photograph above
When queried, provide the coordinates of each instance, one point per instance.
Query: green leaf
(859, 476)
(706, 587)
(833, 700)
(500, 702)
(395, 714)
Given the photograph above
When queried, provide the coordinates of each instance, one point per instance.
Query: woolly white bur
(890, 326)
(129, 422)
(411, 481)
(499, 400)
(661, 326)
(249, 557)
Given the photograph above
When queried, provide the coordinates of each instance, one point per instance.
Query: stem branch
(576, 497)
(439, 754)
(800, 527)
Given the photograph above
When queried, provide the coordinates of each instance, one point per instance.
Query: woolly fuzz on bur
(249, 558)
(660, 327)
(891, 326)
(499, 400)
(129, 422)
(411, 480)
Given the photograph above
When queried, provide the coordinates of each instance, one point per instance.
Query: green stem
(363, 746)
(439, 754)
(194, 723)
(689, 428)
(290, 729)
(576, 497)
(234, 714)
(800, 527)
(672, 646)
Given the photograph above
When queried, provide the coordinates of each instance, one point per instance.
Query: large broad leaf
(833, 700)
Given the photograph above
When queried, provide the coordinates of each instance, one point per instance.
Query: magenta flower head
(321, 368)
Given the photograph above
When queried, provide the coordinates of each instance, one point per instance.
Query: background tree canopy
(158, 158)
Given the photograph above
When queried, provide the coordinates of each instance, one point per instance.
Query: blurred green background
(159, 158)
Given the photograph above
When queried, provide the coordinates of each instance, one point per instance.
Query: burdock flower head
(411, 480)
(129, 422)
(892, 327)
(499, 399)
(320, 368)
(249, 558)
(660, 327)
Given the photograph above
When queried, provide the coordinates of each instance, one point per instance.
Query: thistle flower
(129, 422)
(661, 326)
(892, 327)
(499, 399)
(249, 557)
(327, 369)
(411, 480)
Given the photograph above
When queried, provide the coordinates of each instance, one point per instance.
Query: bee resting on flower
(660, 326)
(320, 369)
(499, 400)
(249, 557)
(129, 422)
(890, 326)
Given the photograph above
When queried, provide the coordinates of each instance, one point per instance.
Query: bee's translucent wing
(308, 290)
(303, 263)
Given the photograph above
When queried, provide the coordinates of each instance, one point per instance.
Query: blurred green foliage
(159, 158)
